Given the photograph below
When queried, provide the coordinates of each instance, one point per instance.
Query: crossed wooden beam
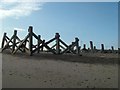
(10, 40)
(21, 45)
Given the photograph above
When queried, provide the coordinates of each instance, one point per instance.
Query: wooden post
(91, 46)
(57, 36)
(77, 46)
(118, 50)
(30, 30)
(24, 50)
(84, 46)
(73, 45)
(14, 40)
(95, 49)
(43, 42)
(112, 49)
(102, 47)
(38, 43)
(3, 40)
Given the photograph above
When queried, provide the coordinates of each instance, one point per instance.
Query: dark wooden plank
(14, 41)
(30, 39)
(3, 40)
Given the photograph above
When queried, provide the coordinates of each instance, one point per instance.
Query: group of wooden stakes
(60, 47)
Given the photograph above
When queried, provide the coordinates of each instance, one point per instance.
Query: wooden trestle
(60, 47)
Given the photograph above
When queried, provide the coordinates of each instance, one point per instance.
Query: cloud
(16, 8)
(19, 29)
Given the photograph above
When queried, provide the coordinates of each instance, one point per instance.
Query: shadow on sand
(65, 57)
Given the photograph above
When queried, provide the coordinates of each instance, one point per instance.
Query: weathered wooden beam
(64, 51)
(63, 43)
(18, 39)
(57, 36)
(102, 47)
(112, 49)
(73, 45)
(47, 47)
(38, 43)
(21, 43)
(43, 42)
(91, 46)
(35, 35)
(40, 47)
(7, 44)
(24, 47)
(84, 46)
(94, 47)
(8, 38)
(118, 50)
(51, 50)
(14, 41)
(95, 50)
(50, 41)
(17, 43)
(53, 46)
(30, 30)
(77, 46)
(62, 47)
(3, 40)
(68, 49)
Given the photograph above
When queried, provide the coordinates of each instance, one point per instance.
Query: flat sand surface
(59, 71)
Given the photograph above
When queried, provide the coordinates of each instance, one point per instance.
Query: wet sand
(59, 71)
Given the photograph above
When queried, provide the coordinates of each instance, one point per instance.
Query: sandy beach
(59, 71)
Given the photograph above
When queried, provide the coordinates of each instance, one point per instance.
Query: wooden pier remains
(14, 44)
(60, 47)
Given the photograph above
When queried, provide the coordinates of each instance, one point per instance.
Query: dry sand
(59, 71)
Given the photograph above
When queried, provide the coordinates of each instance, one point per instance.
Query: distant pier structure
(59, 47)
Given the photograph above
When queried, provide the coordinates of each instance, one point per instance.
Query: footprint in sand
(28, 76)
(82, 82)
(45, 81)
(108, 78)
(95, 79)
(10, 74)
(86, 80)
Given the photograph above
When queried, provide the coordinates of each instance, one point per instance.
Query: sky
(89, 21)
